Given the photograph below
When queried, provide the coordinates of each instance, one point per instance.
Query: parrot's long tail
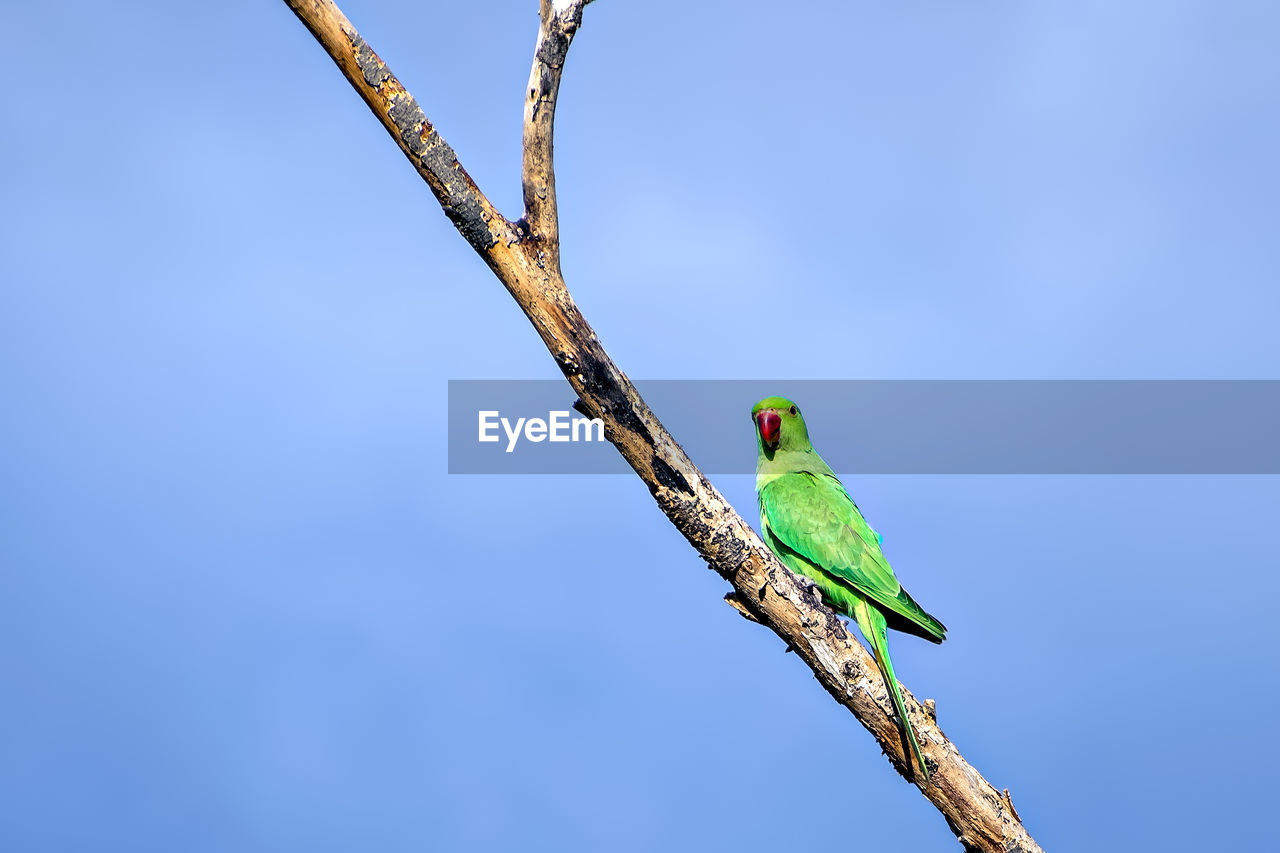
(872, 624)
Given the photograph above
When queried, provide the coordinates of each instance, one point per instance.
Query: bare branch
(471, 213)
(559, 21)
(527, 264)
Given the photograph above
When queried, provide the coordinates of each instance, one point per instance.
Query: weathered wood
(525, 258)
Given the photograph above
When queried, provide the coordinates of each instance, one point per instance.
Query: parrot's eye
(793, 410)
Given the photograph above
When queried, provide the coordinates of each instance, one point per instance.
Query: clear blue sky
(243, 607)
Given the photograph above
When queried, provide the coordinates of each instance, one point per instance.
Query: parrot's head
(779, 424)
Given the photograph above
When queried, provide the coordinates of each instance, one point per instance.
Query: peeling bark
(524, 256)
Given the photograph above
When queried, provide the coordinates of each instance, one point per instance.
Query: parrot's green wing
(812, 517)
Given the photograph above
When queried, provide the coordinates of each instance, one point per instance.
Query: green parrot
(809, 521)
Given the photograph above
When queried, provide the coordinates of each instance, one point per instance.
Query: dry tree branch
(525, 258)
(541, 216)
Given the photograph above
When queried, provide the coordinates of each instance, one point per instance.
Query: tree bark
(525, 257)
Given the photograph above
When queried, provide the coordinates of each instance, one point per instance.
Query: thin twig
(559, 21)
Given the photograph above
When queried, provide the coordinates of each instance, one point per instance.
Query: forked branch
(525, 258)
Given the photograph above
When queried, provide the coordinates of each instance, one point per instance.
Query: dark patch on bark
(834, 626)
(730, 550)
(435, 156)
(668, 476)
(555, 47)
(600, 382)
(468, 218)
(458, 200)
(551, 53)
(411, 121)
(367, 61)
(568, 364)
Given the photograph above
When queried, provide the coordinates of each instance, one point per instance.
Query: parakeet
(809, 521)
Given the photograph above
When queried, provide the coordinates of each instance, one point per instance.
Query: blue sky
(245, 608)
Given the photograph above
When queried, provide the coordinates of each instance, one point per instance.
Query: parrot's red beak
(769, 424)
